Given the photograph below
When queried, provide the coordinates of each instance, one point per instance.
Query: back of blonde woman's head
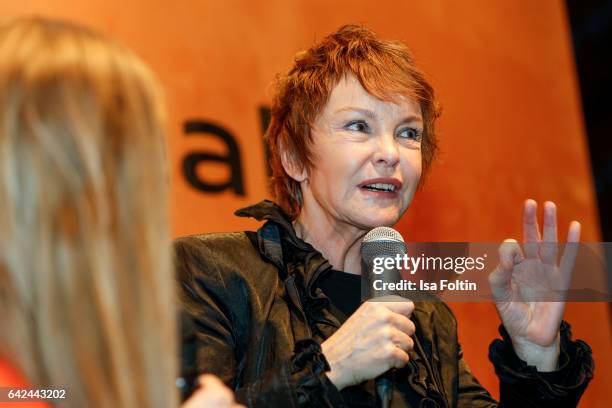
(86, 294)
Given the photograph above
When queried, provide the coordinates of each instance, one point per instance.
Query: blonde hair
(86, 290)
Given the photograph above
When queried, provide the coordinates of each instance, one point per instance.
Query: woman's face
(366, 158)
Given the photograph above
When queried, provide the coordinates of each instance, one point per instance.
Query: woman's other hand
(522, 279)
(373, 340)
(212, 393)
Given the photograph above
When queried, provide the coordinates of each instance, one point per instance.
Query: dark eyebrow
(372, 115)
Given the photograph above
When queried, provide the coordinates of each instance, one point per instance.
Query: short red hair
(385, 69)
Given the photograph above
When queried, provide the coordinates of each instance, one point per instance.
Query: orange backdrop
(511, 126)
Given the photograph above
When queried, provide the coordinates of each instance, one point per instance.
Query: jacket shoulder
(223, 263)
(218, 253)
(222, 241)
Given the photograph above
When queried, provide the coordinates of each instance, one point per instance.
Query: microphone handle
(384, 389)
(385, 247)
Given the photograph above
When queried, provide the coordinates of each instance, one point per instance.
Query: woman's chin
(380, 220)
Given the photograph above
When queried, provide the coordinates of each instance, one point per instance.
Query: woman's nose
(387, 151)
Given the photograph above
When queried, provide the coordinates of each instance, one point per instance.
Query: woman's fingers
(398, 337)
(531, 232)
(398, 357)
(211, 393)
(510, 254)
(395, 328)
(403, 341)
(570, 251)
(397, 304)
(215, 392)
(548, 246)
(394, 316)
(402, 323)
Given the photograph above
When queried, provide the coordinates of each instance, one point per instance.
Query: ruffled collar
(294, 249)
(300, 261)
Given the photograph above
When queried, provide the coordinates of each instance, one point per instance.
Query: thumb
(510, 254)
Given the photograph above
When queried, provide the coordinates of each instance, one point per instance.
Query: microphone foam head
(382, 242)
(383, 234)
(379, 243)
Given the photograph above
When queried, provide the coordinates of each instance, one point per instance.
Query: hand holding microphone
(376, 338)
(373, 340)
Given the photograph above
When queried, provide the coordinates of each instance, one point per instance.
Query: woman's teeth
(380, 187)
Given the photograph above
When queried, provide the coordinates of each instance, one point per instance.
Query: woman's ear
(294, 170)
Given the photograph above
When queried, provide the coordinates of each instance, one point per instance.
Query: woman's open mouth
(384, 186)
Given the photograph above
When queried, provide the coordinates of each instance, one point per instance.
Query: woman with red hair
(277, 314)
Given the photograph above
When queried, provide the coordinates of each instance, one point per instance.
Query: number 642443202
(8, 394)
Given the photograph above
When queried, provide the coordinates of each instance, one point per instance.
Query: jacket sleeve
(522, 385)
(211, 339)
(471, 392)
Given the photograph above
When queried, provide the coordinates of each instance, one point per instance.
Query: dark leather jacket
(255, 317)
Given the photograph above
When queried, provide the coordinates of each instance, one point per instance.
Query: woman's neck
(338, 242)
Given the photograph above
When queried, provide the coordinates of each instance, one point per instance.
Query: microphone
(381, 242)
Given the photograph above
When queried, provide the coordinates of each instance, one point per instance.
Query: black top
(344, 291)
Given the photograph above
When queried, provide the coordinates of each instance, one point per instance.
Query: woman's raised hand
(373, 340)
(527, 279)
(211, 393)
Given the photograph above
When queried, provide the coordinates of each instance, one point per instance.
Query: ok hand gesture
(526, 276)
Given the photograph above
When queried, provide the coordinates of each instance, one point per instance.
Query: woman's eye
(358, 126)
(410, 133)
